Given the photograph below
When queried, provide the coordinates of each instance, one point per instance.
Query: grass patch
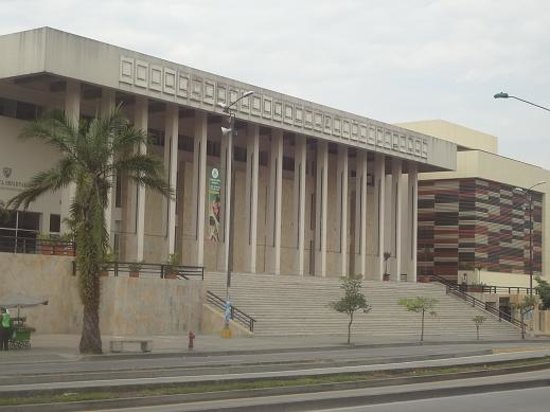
(258, 384)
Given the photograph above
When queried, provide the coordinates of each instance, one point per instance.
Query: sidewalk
(65, 347)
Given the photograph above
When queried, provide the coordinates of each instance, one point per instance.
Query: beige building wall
(24, 161)
(461, 135)
(128, 306)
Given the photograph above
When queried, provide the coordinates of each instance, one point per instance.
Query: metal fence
(149, 270)
(33, 245)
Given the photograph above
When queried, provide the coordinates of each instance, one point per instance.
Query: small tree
(523, 307)
(543, 290)
(420, 304)
(478, 320)
(352, 301)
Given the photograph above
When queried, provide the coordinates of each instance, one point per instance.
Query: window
(19, 110)
(18, 232)
(55, 223)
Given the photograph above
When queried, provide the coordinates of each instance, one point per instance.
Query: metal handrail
(456, 290)
(33, 245)
(236, 314)
(494, 289)
(151, 270)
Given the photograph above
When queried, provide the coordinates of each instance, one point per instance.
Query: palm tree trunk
(88, 258)
(90, 340)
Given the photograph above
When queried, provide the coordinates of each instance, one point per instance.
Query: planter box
(46, 249)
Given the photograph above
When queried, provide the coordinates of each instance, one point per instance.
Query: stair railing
(236, 314)
(457, 291)
(509, 290)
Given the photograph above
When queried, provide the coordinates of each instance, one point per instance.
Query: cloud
(392, 60)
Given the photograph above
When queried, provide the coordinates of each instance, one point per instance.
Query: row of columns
(275, 198)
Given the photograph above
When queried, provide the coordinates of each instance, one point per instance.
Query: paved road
(112, 377)
(522, 400)
(434, 397)
(69, 372)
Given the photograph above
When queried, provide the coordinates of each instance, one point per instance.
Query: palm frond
(145, 170)
(128, 139)
(47, 181)
(55, 129)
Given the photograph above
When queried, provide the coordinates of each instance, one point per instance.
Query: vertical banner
(214, 205)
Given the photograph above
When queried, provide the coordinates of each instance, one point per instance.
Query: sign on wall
(214, 205)
(7, 179)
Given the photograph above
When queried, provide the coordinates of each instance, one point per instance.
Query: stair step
(291, 305)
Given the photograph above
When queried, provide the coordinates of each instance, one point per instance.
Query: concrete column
(72, 112)
(361, 190)
(380, 177)
(199, 183)
(252, 177)
(300, 158)
(321, 209)
(141, 117)
(227, 166)
(413, 219)
(397, 190)
(342, 196)
(275, 201)
(107, 106)
(171, 133)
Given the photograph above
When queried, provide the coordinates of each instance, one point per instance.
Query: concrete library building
(296, 187)
(265, 184)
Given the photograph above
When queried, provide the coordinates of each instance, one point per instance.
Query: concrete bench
(119, 345)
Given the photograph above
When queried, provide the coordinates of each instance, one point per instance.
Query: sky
(389, 60)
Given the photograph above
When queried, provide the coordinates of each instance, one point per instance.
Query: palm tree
(92, 153)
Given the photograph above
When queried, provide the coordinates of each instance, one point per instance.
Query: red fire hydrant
(191, 337)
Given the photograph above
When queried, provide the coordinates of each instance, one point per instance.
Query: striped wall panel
(467, 223)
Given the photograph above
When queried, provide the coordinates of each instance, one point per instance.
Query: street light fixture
(503, 95)
(229, 133)
(528, 196)
(527, 193)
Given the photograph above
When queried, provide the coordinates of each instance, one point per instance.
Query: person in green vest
(6, 325)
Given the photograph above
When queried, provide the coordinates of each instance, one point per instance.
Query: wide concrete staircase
(292, 306)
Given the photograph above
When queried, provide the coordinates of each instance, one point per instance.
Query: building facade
(311, 190)
(482, 217)
(467, 224)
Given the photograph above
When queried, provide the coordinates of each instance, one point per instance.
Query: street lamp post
(527, 193)
(229, 133)
(503, 95)
(528, 196)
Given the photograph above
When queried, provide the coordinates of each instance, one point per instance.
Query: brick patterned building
(476, 223)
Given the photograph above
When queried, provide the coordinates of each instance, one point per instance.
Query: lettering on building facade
(6, 182)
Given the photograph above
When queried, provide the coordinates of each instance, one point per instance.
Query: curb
(342, 346)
